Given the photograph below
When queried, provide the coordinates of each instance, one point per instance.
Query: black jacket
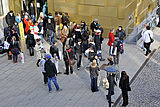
(54, 50)
(78, 48)
(30, 40)
(31, 10)
(85, 38)
(121, 34)
(91, 56)
(50, 69)
(97, 40)
(93, 26)
(10, 19)
(124, 83)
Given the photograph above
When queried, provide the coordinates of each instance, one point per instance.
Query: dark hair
(29, 31)
(120, 26)
(50, 14)
(123, 73)
(56, 13)
(148, 27)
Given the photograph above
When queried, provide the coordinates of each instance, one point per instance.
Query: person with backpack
(51, 73)
(148, 39)
(30, 42)
(120, 33)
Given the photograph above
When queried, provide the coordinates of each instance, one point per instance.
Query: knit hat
(96, 20)
(48, 56)
(94, 64)
(98, 24)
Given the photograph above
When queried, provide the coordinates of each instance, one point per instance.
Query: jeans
(94, 87)
(110, 51)
(79, 58)
(54, 81)
(116, 58)
(51, 38)
(41, 35)
(31, 51)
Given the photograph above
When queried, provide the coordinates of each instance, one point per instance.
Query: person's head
(109, 59)
(120, 28)
(78, 26)
(123, 73)
(67, 46)
(38, 41)
(94, 64)
(66, 14)
(55, 42)
(29, 31)
(15, 23)
(99, 25)
(145, 25)
(79, 41)
(56, 13)
(96, 20)
(48, 56)
(148, 27)
(50, 14)
(112, 30)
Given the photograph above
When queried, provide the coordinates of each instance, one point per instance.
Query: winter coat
(111, 39)
(30, 40)
(10, 19)
(124, 83)
(94, 72)
(38, 49)
(93, 26)
(78, 35)
(91, 55)
(70, 53)
(26, 22)
(54, 50)
(14, 45)
(121, 34)
(97, 40)
(53, 22)
(50, 69)
(32, 10)
(50, 29)
(85, 38)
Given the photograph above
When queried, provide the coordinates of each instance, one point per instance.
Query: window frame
(1, 6)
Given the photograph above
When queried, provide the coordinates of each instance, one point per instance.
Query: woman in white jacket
(148, 34)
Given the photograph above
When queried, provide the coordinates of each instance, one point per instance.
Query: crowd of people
(76, 43)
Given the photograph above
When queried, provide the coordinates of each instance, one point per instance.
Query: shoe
(59, 90)
(107, 97)
(71, 72)
(66, 73)
(78, 68)
(150, 51)
(59, 73)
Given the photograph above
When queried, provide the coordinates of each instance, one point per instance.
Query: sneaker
(59, 73)
(59, 90)
(78, 68)
(66, 73)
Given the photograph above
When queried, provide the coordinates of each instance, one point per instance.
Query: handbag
(71, 62)
(152, 40)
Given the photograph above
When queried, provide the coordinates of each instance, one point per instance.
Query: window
(1, 8)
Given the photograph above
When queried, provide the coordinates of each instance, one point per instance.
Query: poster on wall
(22, 37)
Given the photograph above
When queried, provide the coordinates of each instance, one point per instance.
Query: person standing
(94, 26)
(125, 87)
(42, 62)
(15, 49)
(54, 51)
(142, 34)
(111, 40)
(148, 35)
(32, 12)
(94, 75)
(50, 31)
(10, 18)
(120, 33)
(41, 26)
(78, 50)
(26, 22)
(51, 73)
(68, 56)
(30, 42)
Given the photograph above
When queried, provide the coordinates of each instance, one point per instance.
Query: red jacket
(111, 39)
(26, 21)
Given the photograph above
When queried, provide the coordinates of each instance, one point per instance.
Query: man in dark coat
(30, 43)
(94, 26)
(124, 86)
(51, 73)
(120, 33)
(32, 12)
(10, 18)
(158, 13)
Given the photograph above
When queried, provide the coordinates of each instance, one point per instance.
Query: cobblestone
(145, 89)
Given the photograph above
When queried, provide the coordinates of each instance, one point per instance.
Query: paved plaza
(22, 85)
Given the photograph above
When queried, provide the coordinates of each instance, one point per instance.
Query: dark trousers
(45, 79)
(85, 47)
(125, 97)
(63, 48)
(79, 58)
(116, 58)
(67, 67)
(147, 46)
(15, 57)
(94, 86)
(31, 51)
